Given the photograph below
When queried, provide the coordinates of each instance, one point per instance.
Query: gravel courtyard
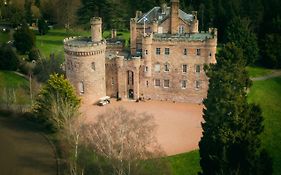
(179, 124)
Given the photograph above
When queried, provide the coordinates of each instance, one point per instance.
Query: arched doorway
(131, 94)
(130, 86)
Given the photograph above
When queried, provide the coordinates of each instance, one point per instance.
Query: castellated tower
(85, 63)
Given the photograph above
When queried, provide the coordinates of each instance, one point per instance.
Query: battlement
(96, 20)
(81, 42)
(201, 36)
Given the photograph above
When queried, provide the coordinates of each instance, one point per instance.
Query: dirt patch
(179, 124)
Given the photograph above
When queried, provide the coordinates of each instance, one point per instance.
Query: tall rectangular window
(166, 83)
(146, 69)
(197, 68)
(158, 51)
(183, 84)
(112, 81)
(197, 84)
(167, 51)
(184, 68)
(166, 68)
(157, 82)
(185, 51)
(198, 52)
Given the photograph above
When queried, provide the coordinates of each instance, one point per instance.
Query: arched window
(93, 65)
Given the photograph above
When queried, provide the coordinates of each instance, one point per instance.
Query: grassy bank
(14, 85)
(267, 94)
(258, 71)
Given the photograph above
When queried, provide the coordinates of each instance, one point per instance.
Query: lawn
(52, 42)
(4, 37)
(267, 94)
(185, 164)
(12, 82)
(258, 71)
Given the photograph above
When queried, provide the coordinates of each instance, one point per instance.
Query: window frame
(167, 51)
(164, 83)
(156, 82)
(184, 65)
(158, 51)
(184, 87)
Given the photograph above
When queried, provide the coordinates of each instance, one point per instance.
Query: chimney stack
(174, 16)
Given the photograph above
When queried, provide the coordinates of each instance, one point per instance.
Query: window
(185, 51)
(166, 83)
(147, 83)
(157, 82)
(198, 52)
(146, 69)
(81, 87)
(197, 68)
(158, 51)
(181, 29)
(184, 68)
(210, 54)
(197, 84)
(166, 68)
(167, 51)
(146, 52)
(93, 65)
(157, 68)
(112, 81)
(183, 84)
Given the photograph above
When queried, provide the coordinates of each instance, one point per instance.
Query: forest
(259, 21)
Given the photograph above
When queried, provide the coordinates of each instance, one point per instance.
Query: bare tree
(124, 138)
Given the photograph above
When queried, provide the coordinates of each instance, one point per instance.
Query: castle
(166, 58)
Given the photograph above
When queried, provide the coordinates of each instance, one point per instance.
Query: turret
(96, 23)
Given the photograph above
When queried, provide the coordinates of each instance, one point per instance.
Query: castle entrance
(130, 76)
(131, 94)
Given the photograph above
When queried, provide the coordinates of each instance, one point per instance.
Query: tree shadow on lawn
(27, 151)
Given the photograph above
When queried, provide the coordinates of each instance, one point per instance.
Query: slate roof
(155, 14)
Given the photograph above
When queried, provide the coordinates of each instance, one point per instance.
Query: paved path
(275, 73)
(23, 151)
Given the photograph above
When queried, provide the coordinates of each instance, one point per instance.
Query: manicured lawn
(4, 37)
(52, 42)
(13, 82)
(267, 94)
(258, 71)
(185, 164)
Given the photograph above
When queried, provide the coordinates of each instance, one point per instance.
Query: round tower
(85, 63)
(96, 24)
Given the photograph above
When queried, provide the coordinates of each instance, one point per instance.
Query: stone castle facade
(167, 54)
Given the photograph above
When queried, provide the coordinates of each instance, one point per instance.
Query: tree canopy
(24, 39)
(56, 101)
(230, 143)
(8, 58)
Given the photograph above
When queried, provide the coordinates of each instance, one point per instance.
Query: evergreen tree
(239, 32)
(56, 99)
(230, 143)
(24, 39)
(8, 58)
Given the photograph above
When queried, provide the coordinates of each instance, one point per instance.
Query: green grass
(267, 94)
(11, 81)
(258, 71)
(4, 37)
(185, 164)
(52, 42)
